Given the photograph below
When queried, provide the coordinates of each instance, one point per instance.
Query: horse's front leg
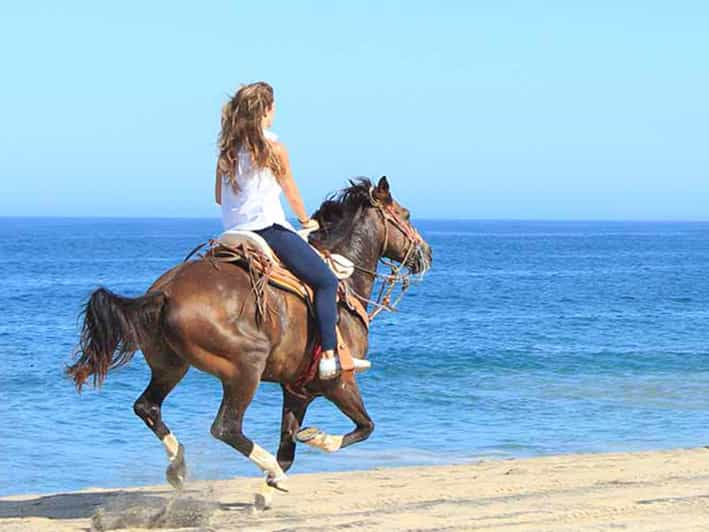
(346, 395)
(294, 408)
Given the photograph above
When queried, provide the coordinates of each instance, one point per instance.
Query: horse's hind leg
(227, 427)
(346, 396)
(166, 372)
(294, 408)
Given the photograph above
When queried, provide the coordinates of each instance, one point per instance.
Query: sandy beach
(664, 490)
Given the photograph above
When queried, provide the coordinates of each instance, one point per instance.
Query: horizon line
(216, 219)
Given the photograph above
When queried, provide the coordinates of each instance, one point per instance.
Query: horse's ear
(381, 191)
(383, 186)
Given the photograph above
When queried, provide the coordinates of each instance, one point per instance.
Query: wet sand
(665, 490)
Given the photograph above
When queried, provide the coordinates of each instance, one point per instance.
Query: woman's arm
(218, 188)
(290, 189)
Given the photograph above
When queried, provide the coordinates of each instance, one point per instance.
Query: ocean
(525, 339)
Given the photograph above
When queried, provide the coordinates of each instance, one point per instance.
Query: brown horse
(193, 315)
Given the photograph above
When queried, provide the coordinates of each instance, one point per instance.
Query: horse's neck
(363, 249)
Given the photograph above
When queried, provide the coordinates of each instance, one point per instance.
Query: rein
(398, 273)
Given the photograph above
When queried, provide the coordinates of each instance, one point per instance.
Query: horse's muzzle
(421, 260)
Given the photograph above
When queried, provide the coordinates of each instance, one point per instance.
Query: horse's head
(401, 241)
(366, 216)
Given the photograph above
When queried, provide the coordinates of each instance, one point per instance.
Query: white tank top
(256, 204)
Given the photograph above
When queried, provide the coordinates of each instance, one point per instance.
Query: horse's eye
(407, 215)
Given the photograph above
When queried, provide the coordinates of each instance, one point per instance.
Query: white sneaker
(327, 368)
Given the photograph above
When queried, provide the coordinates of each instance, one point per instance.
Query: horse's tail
(114, 329)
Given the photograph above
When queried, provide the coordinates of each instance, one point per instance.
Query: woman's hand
(309, 225)
(306, 227)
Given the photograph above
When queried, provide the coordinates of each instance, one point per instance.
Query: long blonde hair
(241, 129)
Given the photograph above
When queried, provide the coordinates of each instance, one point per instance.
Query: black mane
(338, 213)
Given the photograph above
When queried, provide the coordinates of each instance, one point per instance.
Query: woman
(252, 169)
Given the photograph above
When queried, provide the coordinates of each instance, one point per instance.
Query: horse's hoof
(307, 434)
(278, 483)
(319, 439)
(177, 470)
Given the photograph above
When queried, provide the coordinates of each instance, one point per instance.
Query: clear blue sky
(489, 109)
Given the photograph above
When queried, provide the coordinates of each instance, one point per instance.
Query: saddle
(249, 249)
(342, 267)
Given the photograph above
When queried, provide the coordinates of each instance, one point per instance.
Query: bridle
(398, 273)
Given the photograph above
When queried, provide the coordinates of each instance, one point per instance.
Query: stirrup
(360, 364)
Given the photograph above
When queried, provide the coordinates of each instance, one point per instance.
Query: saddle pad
(234, 238)
(342, 267)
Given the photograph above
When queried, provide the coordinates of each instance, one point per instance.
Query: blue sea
(525, 339)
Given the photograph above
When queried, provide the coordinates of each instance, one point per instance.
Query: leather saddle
(228, 249)
(341, 266)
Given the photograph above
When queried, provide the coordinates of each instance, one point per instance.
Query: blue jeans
(297, 255)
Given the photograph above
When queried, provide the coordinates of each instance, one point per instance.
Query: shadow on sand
(121, 509)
